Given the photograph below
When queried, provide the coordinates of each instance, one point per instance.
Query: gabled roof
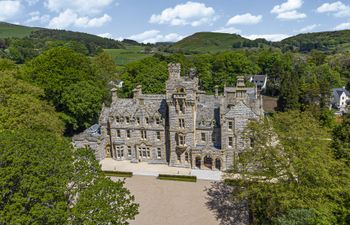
(340, 91)
(261, 78)
(241, 110)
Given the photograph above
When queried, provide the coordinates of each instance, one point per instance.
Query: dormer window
(147, 120)
(117, 119)
(138, 120)
(157, 120)
(127, 119)
(230, 125)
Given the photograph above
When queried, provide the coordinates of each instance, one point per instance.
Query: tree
(70, 83)
(34, 173)
(290, 168)
(96, 199)
(22, 107)
(341, 140)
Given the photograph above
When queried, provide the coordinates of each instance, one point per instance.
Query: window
(230, 125)
(158, 120)
(181, 139)
(120, 151)
(179, 157)
(230, 141)
(182, 123)
(251, 141)
(203, 136)
(186, 156)
(128, 133)
(147, 120)
(129, 151)
(159, 153)
(127, 119)
(118, 134)
(148, 153)
(182, 108)
(117, 119)
(158, 135)
(143, 134)
(213, 139)
(138, 120)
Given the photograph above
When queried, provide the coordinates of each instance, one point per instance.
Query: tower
(181, 94)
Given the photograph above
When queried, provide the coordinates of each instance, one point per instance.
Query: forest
(56, 88)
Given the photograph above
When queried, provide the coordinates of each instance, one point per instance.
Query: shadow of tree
(228, 211)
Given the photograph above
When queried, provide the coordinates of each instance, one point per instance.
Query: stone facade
(183, 128)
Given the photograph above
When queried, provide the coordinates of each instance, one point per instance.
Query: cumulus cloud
(288, 10)
(338, 8)
(37, 17)
(190, 13)
(9, 9)
(106, 35)
(291, 15)
(153, 36)
(309, 28)
(269, 37)
(343, 26)
(82, 7)
(70, 18)
(229, 30)
(244, 19)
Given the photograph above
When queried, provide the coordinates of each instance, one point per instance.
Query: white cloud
(288, 10)
(153, 36)
(82, 7)
(70, 18)
(291, 15)
(9, 9)
(309, 28)
(343, 26)
(106, 35)
(244, 19)
(229, 30)
(37, 17)
(287, 6)
(190, 13)
(337, 8)
(269, 37)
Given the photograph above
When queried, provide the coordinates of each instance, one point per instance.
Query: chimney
(216, 90)
(174, 70)
(137, 91)
(240, 82)
(114, 94)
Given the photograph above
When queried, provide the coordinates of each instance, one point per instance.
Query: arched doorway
(218, 164)
(208, 162)
(198, 162)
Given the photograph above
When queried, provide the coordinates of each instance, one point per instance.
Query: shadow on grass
(226, 210)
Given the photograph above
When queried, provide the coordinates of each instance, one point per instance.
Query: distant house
(259, 80)
(119, 83)
(340, 98)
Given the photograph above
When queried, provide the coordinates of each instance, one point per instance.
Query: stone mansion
(182, 128)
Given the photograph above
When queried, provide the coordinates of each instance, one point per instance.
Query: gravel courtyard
(171, 202)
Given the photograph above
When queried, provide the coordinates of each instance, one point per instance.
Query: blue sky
(171, 20)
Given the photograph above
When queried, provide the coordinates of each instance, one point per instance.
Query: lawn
(130, 54)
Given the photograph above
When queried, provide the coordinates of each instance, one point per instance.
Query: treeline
(43, 180)
(21, 50)
(300, 81)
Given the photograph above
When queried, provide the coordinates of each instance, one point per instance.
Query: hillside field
(130, 54)
(11, 30)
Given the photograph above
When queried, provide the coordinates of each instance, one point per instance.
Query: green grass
(10, 30)
(130, 54)
(211, 42)
(118, 173)
(177, 178)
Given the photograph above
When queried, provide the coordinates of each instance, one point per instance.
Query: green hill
(212, 42)
(323, 41)
(8, 30)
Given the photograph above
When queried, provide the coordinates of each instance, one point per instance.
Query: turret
(174, 70)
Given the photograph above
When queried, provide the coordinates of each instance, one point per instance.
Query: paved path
(171, 202)
(146, 169)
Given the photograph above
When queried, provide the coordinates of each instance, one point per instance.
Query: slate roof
(340, 91)
(241, 110)
(260, 78)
